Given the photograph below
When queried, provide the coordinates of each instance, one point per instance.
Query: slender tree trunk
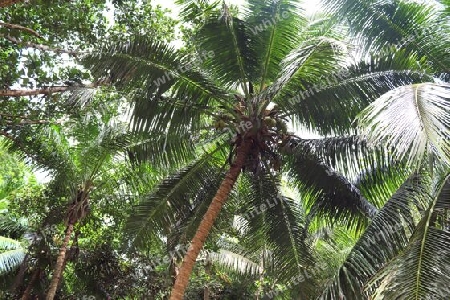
(59, 264)
(20, 27)
(44, 91)
(208, 220)
(26, 295)
(206, 291)
(4, 3)
(18, 281)
(38, 46)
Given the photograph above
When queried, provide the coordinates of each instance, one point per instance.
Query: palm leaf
(174, 199)
(379, 183)
(319, 53)
(12, 228)
(349, 155)
(266, 214)
(273, 24)
(235, 261)
(421, 270)
(228, 39)
(370, 169)
(154, 75)
(330, 104)
(192, 10)
(413, 120)
(327, 193)
(416, 27)
(187, 222)
(11, 254)
(385, 237)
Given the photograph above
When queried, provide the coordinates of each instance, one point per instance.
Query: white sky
(310, 6)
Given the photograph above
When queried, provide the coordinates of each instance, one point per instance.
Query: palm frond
(187, 222)
(320, 53)
(385, 237)
(277, 220)
(174, 199)
(421, 270)
(446, 11)
(369, 168)
(416, 27)
(232, 58)
(154, 74)
(47, 148)
(275, 25)
(163, 150)
(12, 228)
(327, 193)
(11, 254)
(413, 120)
(330, 104)
(349, 155)
(236, 262)
(198, 9)
(379, 183)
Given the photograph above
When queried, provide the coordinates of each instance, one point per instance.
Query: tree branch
(20, 27)
(4, 3)
(44, 91)
(39, 46)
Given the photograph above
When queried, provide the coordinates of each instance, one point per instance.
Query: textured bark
(27, 294)
(4, 3)
(44, 91)
(76, 212)
(38, 46)
(207, 222)
(19, 27)
(59, 264)
(18, 281)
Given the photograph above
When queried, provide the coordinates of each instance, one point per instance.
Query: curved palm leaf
(413, 120)
(330, 105)
(385, 237)
(266, 214)
(417, 27)
(228, 40)
(273, 24)
(318, 53)
(161, 75)
(349, 155)
(236, 262)
(422, 270)
(12, 228)
(175, 199)
(328, 194)
(11, 254)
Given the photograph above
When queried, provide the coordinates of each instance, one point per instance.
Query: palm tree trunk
(18, 281)
(207, 222)
(59, 264)
(26, 295)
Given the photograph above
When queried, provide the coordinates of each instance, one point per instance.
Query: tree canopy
(146, 156)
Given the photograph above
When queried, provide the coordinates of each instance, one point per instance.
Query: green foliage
(342, 216)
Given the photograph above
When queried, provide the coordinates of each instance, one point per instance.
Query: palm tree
(405, 242)
(77, 157)
(251, 74)
(410, 233)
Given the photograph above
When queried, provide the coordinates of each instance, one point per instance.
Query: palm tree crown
(250, 75)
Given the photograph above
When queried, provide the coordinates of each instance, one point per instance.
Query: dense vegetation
(146, 157)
